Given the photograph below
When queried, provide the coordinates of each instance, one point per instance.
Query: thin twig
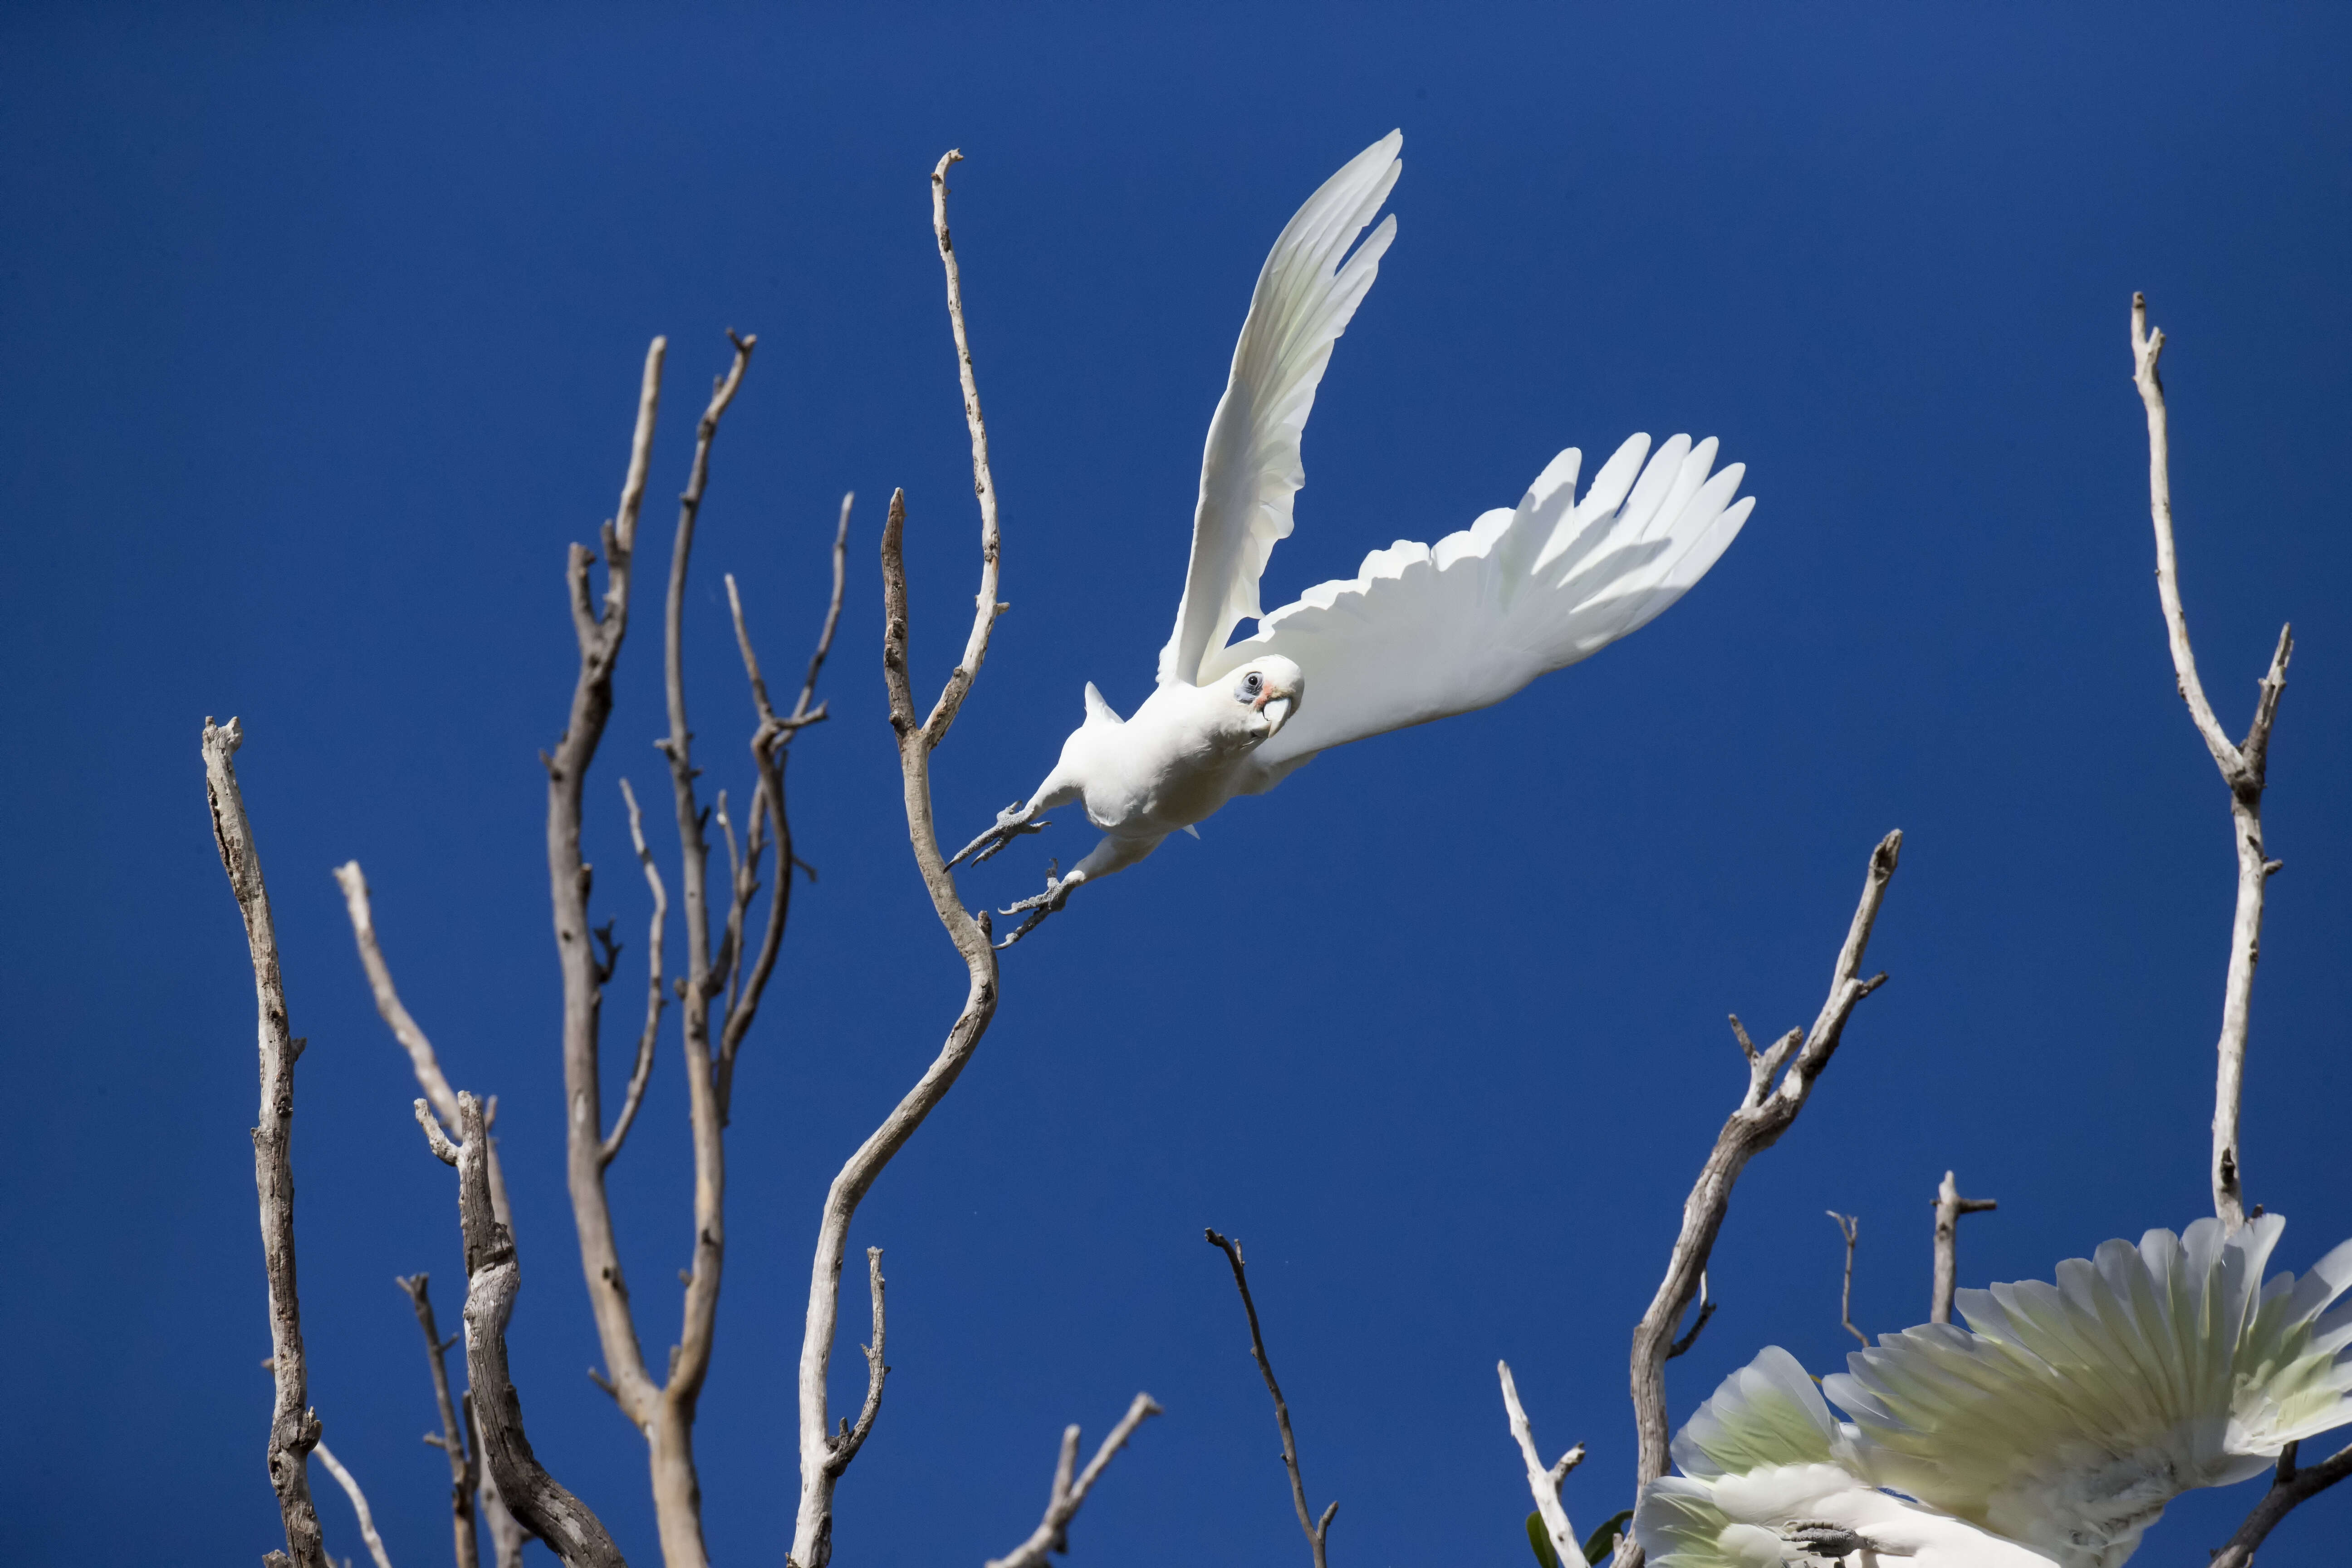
(813, 1522)
(1543, 1480)
(2242, 770)
(1063, 1503)
(1706, 1310)
(1765, 1112)
(465, 1467)
(293, 1427)
(1848, 1227)
(852, 1438)
(654, 1000)
(1317, 1530)
(1949, 1207)
(405, 1028)
(350, 1485)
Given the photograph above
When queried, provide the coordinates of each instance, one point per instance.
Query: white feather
(1250, 467)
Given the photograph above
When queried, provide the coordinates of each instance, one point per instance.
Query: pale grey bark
(1765, 1112)
(350, 1485)
(1317, 1531)
(293, 1427)
(1068, 1493)
(2243, 768)
(1543, 1480)
(820, 1445)
(1850, 1227)
(2244, 771)
(464, 1465)
(493, 1275)
(1949, 1207)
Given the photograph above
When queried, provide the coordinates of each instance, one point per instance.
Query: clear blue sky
(321, 330)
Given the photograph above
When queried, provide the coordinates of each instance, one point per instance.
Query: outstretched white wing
(1764, 1462)
(2075, 1411)
(1420, 633)
(1250, 468)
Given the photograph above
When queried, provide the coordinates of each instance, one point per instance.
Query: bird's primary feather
(1250, 467)
(1422, 633)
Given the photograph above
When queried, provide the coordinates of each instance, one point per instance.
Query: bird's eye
(1251, 684)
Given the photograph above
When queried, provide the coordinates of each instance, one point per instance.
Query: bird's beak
(1276, 705)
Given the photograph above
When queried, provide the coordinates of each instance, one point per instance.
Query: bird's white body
(1420, 633)
(2049, 1434)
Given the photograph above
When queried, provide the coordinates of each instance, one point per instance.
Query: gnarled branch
(1949, 1207)
(1543, 1480)
(464, 1465)
(293, 1428)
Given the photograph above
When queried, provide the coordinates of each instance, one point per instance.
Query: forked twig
(1316, 1530)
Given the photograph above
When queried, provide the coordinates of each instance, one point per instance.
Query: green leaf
(1603, 1541)
(1541, 1539)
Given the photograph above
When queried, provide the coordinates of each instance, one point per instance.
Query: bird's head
(1272, 689)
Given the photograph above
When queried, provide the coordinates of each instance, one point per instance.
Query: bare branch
(343, 1478)
(1848, 1227)
(985, 608)
(802, 712)
(404, 1030)
(1543, 1480)
(2289, 1487)
(852, 1438)
(508, 1536)
(293, 1428)
(1067, 1496)
(1698, 1324)
(1315, 1532)
(493, 1275)
(1765, 1112)
(1949, 1207)
(435, 1138)
(2244, 771)
(813, 1523)
(654, 1000)
(465, 1467)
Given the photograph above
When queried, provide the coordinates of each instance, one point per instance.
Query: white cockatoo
(1419, 632)
(2052, 1430)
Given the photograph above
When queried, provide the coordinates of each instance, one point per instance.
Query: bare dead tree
(717, 981)
(1765, 1112)
(1063, 1503)
(293, 1427)
(465, 1464)
(2242, 766)
(493, 1275)
(1317, 1530)
(824, 1454)
(1949, 1207)
(1848, 1227)
(350, 1485)
(1543, 1480)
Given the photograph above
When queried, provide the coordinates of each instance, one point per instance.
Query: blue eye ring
(1251, 684)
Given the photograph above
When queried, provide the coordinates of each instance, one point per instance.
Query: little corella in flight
(1419, 633)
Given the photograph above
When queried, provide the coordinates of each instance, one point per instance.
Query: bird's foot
(1039, 905)
(1011, 824)
(1834, 1542)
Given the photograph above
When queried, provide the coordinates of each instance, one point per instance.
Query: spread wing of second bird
(1421, 632)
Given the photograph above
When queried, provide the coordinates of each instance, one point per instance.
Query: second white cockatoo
(2048, 1434)
(1419, 633)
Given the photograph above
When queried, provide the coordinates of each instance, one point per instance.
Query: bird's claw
(1834, 1542)
(1011, 824)
(1038, 905)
